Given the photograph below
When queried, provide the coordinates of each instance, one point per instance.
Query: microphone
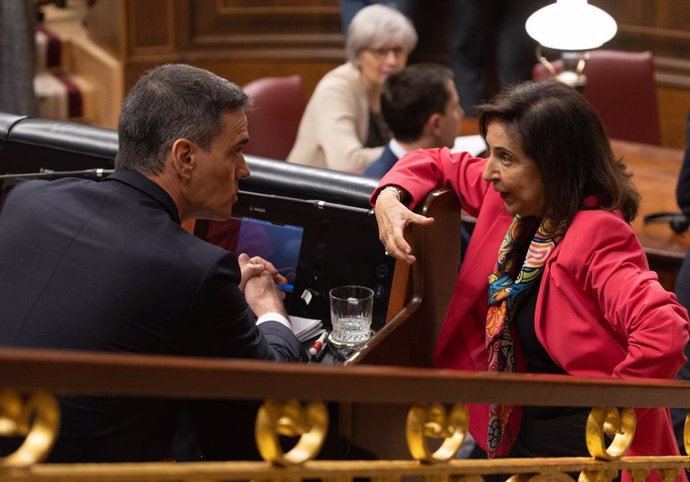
(96, 172)
(678, 222)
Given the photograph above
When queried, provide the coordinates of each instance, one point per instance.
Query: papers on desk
(305, 328)
(472, 144)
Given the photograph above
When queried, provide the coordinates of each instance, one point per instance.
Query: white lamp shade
(571, 25)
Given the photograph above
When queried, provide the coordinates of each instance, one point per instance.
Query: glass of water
(351, 311)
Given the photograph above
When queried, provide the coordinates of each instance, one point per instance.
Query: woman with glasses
(342, 127)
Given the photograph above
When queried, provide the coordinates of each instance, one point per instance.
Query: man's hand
(392, 216)
(259, 284)
(255, 266)
(263, 296)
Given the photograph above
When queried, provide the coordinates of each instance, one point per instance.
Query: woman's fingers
(392, 218)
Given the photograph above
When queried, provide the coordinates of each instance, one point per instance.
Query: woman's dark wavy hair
(561, 131)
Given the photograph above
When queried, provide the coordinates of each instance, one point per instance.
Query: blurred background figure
(490, 47)
(342, 127)
(18, 57)
(422, 110)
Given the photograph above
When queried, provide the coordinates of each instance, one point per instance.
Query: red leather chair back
(279, 103)
(620, 85)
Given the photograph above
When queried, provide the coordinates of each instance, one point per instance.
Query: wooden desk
(469, 126)
(655, 173)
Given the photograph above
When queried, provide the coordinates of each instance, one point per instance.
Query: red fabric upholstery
(620, 85)
(279, 103)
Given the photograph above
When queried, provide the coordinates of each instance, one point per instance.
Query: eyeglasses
(384, 51)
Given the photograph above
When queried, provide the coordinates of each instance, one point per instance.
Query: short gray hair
(378, 23)
(168, 103)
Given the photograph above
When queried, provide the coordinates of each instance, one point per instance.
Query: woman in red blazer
(569, 290)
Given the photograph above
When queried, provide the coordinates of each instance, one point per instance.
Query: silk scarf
(504, 295)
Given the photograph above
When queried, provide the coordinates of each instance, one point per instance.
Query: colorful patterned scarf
(504, 294)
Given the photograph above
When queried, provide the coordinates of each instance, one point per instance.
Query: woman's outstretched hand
(392, 216)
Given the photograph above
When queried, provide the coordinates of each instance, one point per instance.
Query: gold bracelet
(398, 192)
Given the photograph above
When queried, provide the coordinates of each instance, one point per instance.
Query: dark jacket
(107, 267)
(382, 165)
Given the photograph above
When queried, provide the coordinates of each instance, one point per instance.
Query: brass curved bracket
(551, 477)
(290, 419)
(556, 477)
(639, 475)
(431, 421)
(544, 61)
(686, 434)
(38, 420)
(598, 476)
(619, 426)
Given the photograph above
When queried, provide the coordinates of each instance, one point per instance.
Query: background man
(106, 266)
(422, 110)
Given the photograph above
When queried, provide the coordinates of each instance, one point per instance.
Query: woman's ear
(182, 152)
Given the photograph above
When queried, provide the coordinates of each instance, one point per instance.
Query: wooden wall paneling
(674, 105)
(106, 23)
(247, 39)
(662, 27)
(151, 27)
(310, 26)
(242, 71)
(182, 29)
(242, 40)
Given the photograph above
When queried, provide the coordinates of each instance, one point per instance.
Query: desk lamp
(574, 27)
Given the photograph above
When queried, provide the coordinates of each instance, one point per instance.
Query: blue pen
(287, 287)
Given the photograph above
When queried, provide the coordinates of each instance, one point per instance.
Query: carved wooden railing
(294, 394)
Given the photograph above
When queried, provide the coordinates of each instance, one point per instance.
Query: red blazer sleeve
(424, 170)
(612, 267)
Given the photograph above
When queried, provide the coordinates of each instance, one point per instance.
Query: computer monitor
(278, 243)
(316, 245)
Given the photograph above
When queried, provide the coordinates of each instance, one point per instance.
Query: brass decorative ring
(290, 419)
(431, 421)
(608, 421)
(38, 420)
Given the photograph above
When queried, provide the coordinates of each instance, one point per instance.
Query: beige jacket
(335, 124)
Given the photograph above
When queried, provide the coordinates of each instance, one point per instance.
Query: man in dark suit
(422, 110)
(106, 265)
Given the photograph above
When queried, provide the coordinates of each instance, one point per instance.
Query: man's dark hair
(561, 131)
(410, 97)
(167, 103)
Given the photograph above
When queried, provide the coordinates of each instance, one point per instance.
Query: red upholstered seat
(279, 103)
(620, 85)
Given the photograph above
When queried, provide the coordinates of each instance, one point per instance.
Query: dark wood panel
(247, 39)
(661, 26)
(674, 104)
(105, 21)
(669, 15)
(240, 71)
(260, 23)
(150, 26)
